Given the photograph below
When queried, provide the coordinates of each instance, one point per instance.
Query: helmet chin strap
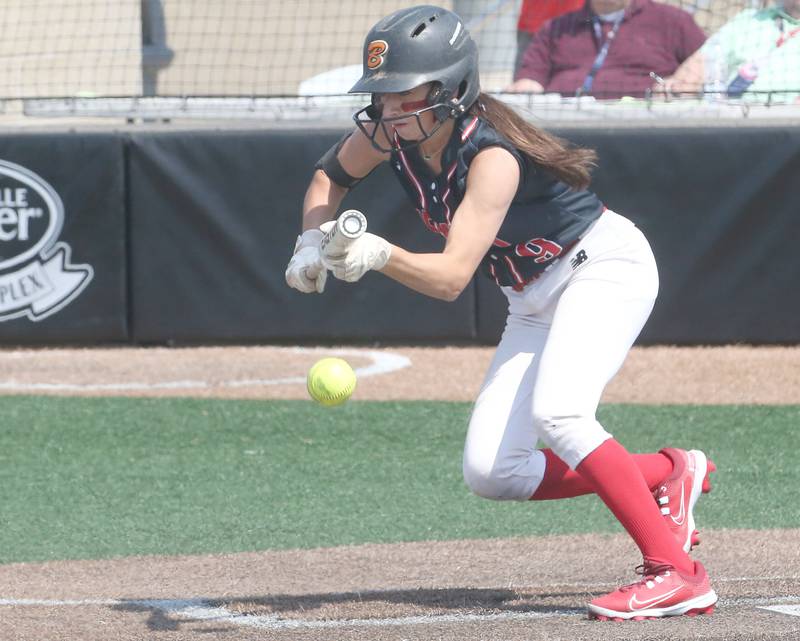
(427, 155)
(401, 144)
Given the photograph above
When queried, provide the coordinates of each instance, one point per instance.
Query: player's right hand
(305, 272)
(351, 262)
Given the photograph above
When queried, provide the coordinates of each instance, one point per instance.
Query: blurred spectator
(757, 51)
(608, 48)
(532, 15)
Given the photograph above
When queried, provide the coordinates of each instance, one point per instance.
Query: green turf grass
(94, 478)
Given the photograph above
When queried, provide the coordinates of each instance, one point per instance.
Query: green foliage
(94, 478)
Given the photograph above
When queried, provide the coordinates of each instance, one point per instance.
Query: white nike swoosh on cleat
(681, 512)
(635, 604)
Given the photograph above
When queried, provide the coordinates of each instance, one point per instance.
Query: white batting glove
(305, 271)
(351, 263)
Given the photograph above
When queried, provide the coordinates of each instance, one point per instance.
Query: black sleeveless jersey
(545, 219)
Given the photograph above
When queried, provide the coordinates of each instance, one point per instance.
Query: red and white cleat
(677, 495)
(662, 592)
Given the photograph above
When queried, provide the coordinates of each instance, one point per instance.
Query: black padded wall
(63, 234)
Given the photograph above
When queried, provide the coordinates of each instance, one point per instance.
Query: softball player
(580, 280)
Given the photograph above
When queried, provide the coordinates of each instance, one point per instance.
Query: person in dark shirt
(532, 15)
(608, 49)
(513, 201)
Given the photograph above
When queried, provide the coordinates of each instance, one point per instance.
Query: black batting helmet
(422, 44)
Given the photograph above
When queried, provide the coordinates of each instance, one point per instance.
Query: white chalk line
(58, 602)
(543, 586)
(382, 363)
(206, 610)
(792, 610)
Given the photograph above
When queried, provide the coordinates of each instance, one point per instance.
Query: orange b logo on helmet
(376, 50)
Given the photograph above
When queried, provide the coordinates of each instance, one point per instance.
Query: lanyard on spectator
(784, 37)
(601, 55)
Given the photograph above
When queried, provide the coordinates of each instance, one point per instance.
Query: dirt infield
(525, 588)
(730, 375)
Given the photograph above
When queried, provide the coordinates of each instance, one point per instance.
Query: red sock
(611, 471)
(560, 482)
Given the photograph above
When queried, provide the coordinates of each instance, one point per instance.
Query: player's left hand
(305, 272)
(351, 263)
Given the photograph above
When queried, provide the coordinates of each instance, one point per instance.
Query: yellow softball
(331, 381)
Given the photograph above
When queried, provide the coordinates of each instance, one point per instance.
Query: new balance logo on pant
(579, 258)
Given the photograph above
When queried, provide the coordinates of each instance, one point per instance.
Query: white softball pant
(567, 334)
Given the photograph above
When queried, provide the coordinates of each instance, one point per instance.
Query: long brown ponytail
(572, 165)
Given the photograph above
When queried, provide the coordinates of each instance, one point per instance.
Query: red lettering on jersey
(540, 249)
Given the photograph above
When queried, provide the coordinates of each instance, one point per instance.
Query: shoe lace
(650, 573)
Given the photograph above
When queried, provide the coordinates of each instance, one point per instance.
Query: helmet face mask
(370, 119)
(407, 49)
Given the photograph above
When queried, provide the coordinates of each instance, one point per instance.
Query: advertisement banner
(62, 249)
(36, 277)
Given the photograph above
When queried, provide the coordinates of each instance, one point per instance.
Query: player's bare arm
(322, 199)
(340, 167)
(491, 184)
(357, 158)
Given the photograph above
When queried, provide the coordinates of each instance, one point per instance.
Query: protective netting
(294, 59)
